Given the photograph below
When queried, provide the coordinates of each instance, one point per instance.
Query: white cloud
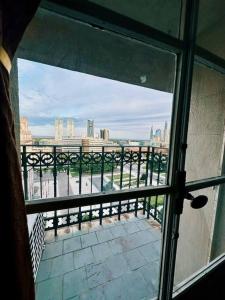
(48, 92)
(42, 130)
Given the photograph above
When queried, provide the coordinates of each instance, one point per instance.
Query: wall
(204, 154)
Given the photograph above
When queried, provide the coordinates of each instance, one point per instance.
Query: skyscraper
(58, 129)
(104, 134)
(90, 128)
(165, 132)
(70, 130)
(151, 134)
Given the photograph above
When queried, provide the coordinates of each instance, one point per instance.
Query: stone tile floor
(118, 260)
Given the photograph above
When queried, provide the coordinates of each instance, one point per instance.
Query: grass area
(74, 173)
(159, 201)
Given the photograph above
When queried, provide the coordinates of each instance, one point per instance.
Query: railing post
(146, 177)
(40, 171)
(68, 187)
(158, 181)
(25, 173)
(68, 175)
(121, 180)
(152, 165)
(55, 220)
(112, 179)
(92, 158)
(148, 207)
(102, 175)
(80, 187)
(130, 170)
(138, 178)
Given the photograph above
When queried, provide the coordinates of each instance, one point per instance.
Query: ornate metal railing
(53, 171)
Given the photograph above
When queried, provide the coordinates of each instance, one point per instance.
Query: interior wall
(203, 160)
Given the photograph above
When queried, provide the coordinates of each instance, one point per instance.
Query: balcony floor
(118, 260)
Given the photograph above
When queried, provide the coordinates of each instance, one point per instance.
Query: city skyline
(47, 93)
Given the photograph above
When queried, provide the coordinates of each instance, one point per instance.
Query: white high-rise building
(90, 128)
(58, 129)
(151, 134)
(166, 133)
(70, 129)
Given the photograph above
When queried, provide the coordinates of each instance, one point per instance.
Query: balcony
(118, 260)
(107, 250)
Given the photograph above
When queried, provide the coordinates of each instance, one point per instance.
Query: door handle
(197, 202)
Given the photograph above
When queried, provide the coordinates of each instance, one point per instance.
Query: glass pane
(118, 260)
(211, 26)
(206, 125)
(101, 118)
(162, 15)
(95, 113)
(202, 232)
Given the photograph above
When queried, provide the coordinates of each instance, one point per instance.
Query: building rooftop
(118, 260)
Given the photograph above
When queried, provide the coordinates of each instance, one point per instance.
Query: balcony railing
(63, 170)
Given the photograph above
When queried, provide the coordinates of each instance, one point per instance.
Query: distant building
(58, 129)
(158, 135)
(151, 134)
(165, 133)
(92, 144)
(70, 130)
(90, 128)
(25, 133)
(133, 143)
(104, 134)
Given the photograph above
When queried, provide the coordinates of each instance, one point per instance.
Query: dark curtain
(15, 262)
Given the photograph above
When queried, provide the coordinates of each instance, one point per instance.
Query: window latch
(197, 202)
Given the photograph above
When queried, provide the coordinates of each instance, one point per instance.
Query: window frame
(187, 53)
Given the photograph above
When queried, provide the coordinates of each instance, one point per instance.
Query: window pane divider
(51, 204)
(204, 183)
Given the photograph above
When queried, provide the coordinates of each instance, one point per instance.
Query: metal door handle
(197, 202)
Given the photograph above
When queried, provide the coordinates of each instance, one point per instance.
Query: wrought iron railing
(62, 170)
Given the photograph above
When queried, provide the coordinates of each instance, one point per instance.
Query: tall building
(25, 133)
(104, 134)
(70, 130)
(90, 128)
(58, 129)
(165, 132)
(158, 135)
(151, 134)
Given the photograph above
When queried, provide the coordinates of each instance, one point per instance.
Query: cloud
(42, 130)
(48, 92)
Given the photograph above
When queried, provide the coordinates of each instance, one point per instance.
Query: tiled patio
(118, 260)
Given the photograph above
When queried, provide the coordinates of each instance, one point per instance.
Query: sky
(128, 111)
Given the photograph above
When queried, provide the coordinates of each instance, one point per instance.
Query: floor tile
(50, 289)
(89, 239)
(83, 257)
(134, 259)
(72, 244)
(101, 251)
(62, 264)
(74, 283)
(104, 235)
(52, 250)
